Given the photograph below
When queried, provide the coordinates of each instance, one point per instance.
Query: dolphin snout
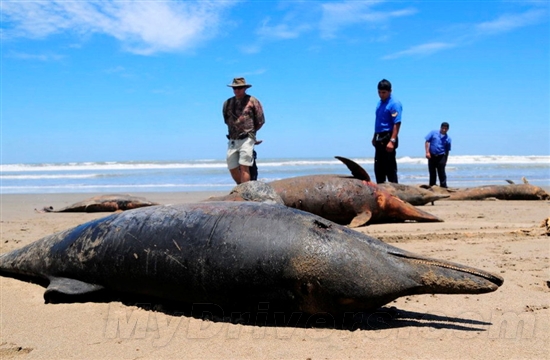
(437, 276)
(403, 210)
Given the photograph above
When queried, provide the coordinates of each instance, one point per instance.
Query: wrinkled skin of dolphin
(251, 191)
(236, 254)
(414, 195)
(105, 203)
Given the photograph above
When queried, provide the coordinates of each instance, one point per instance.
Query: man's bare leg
(236, 174)
(245, 173)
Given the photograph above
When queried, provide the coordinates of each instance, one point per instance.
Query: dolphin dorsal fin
(356, 170)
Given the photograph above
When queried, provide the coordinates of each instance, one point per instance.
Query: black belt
(240, 137)
(383, 136)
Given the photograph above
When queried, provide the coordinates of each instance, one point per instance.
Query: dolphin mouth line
(494, 279)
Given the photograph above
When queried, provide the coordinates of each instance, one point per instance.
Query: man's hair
(384, 85)
(445, 124)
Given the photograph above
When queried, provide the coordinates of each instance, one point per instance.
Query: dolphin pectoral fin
(361, 219)
(356, 170)
(64, 287)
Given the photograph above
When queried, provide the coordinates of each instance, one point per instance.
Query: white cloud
(143, 27)
(282, 31)
(510, 22)
(421, 50)
(34, 57)
(255, 72)
(347, 13)
(476, 32)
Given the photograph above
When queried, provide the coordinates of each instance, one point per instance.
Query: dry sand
(503, 237)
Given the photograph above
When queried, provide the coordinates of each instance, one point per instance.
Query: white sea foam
(216, 164)
(78, 188)
(212, 174)
(46, 177)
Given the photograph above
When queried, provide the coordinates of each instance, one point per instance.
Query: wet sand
(503, 237)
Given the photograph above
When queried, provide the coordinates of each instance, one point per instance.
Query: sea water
(212, 174)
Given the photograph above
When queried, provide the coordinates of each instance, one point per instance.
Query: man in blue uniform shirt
(386, 129)
(438, 145)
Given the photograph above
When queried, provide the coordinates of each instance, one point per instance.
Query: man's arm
(259, 118)
(395, 131)
(224, 111)
(427, 147)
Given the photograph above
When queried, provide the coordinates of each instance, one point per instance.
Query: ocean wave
(216, 164)
(72, 188)
(50, 177)
(105, 166)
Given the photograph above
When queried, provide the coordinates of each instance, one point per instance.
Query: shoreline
(502, 237)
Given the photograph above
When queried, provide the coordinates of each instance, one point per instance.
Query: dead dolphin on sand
(353, 200)
(104, 203)
(414, 195)
(512, 191)
(251, 191)
(235, 255)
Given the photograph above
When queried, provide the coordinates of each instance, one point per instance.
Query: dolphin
(414, 195)
(353, 200)
(250, 191)
(513, 191)
(502, 192)
(104, 203)
(235, 255)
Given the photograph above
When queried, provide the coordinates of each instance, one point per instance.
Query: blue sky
(145, 80)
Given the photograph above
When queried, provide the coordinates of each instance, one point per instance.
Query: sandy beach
(503, 237)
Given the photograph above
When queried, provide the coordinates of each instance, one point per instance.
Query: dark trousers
(254, 167)
(436, 164)
(385, 164)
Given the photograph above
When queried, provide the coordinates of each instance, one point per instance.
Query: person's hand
(390, 147)
(428, 156)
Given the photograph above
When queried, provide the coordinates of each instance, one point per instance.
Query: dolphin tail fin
(61, 288)
(356, 170)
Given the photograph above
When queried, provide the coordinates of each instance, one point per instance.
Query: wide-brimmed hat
(239, 82)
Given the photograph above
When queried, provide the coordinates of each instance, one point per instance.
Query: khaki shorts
(239, 152)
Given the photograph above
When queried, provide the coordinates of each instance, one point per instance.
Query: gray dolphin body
(501, 192)
(105, 203)
(414, 195)
(251, 191)
(236, 254)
